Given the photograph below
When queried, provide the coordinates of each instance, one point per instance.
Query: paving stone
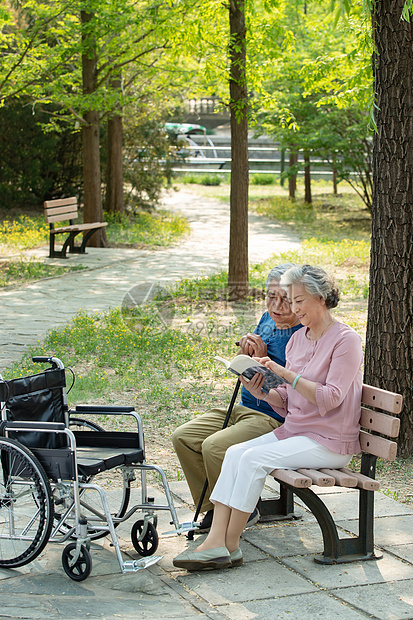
(331, 576)
(390, 530)
(405, 552)
(284, 539)
(248, 582)
(384, 601)
(309, 606)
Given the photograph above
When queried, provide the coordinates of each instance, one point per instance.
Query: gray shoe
(210, 559)
(236, 558)
(253, 518)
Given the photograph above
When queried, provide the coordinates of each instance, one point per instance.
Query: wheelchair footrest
(183, 528)
(131, 566)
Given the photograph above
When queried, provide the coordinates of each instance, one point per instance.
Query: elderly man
(201, 443)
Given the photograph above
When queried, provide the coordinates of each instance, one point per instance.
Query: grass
(160, 228)
(159, 357)
(15, 272)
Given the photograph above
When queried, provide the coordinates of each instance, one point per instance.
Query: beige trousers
(201, 444)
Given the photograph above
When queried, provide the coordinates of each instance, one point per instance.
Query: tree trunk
(114, 171)
(335, 188)
(292, 176)
(238, 235)
(92, 192)
(307, 179)
(389, 346)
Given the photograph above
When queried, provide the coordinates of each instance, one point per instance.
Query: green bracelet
(295, 381)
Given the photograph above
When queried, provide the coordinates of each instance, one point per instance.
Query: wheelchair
(51, 462)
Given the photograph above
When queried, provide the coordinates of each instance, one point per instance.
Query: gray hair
(315, 281)
(276, 273)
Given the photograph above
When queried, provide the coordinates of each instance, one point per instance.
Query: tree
(92, 194)
(238, 239)
(389, 344)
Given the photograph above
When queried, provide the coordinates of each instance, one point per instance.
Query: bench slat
(56, 210)
(61, 202)
(363, 482)
(376, 397)
(380, 422)
(342, 479)
(67, 215)
(379, 446)
(291, 477)
(321, 480)
(78, 227)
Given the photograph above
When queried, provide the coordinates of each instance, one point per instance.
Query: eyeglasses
(271, 297)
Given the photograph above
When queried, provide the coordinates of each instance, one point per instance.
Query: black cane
(190, 534)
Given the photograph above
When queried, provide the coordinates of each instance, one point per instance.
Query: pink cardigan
(334, 362)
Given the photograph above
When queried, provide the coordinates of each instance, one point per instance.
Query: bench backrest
(378, 408)
(60, 210)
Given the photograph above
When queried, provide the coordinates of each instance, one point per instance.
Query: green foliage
(35, 165)
(147, 158)
(317, 94)
(263, 179)
(212, 180)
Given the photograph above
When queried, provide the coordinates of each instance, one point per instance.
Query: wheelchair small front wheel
(149, 543)
(80, 569)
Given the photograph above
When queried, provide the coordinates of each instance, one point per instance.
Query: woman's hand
(269, 363)
(253, 345)
(254, 385)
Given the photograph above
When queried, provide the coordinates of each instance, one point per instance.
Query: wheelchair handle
(54, 361)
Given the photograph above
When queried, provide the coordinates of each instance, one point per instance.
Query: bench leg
(340, 550)
(69, 243)
(278, 509)
(52, 252)
(82, 249)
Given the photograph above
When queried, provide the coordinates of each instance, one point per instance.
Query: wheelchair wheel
(26, 505)
(80, 424)
(80, 569)
(149, 543)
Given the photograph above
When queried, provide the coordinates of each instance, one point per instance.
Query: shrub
(263, 179)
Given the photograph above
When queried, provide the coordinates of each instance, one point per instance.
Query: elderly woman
(320, 402)
(201, 443)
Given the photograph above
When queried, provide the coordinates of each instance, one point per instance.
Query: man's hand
(253, 345)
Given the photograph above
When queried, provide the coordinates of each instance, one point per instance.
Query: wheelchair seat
(100, 451)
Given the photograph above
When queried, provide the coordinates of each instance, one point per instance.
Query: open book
(248, 367)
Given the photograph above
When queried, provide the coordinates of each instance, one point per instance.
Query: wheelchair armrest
(107, 409)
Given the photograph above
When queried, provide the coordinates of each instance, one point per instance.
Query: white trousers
(247, 464)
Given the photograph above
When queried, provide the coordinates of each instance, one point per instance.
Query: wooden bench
(60, 211)
(377, 425)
